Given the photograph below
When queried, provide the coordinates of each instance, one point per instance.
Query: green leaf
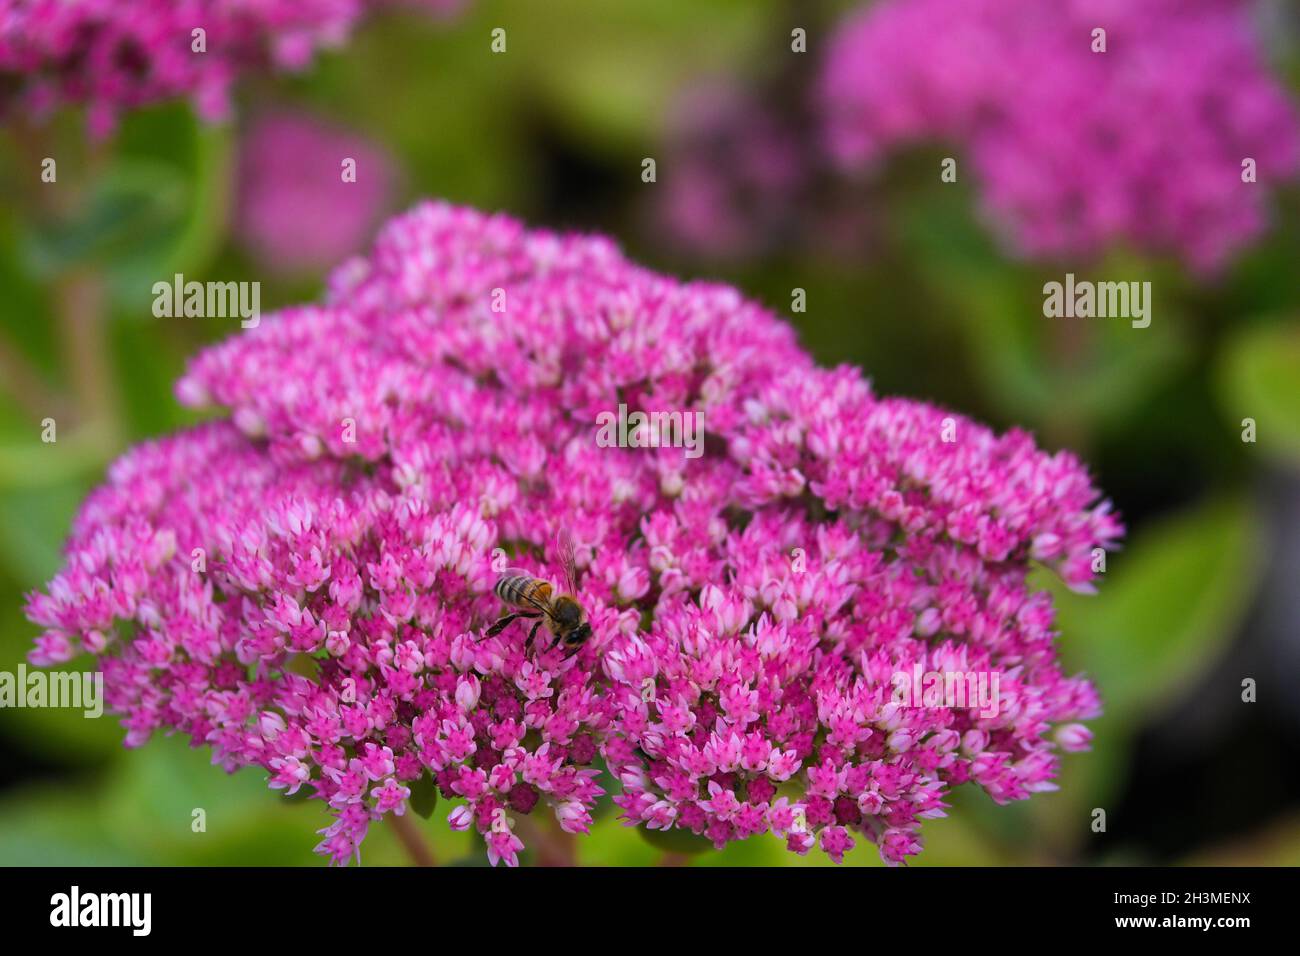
(150, 800)
(157, 208)
(33, 523)
(1259, 378)
(1166, 607)
(1056, 372)
(675, 840)
(614, 86)
(131, 210)
(424, 796)
(48, 827)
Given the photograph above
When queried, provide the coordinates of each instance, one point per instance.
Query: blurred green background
(915, 290)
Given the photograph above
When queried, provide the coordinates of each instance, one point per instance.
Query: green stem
(408, 834)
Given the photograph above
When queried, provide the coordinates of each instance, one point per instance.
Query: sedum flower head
(304, 585)
(1075, 149)
(118, 55)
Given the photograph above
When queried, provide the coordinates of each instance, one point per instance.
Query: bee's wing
(567, 562)
(536, 605)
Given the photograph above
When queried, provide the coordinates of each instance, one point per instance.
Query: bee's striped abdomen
(519, 589)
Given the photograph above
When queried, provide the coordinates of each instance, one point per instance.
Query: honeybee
(562, 614)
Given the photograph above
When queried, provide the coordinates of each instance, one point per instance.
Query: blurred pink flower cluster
(1074, 149)
(732, 185)
(117, 55)
(743, 177)
(305, 585)
(295, 211)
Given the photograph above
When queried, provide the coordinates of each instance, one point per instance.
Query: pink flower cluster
(295, 212)
(116, 55)
(741, 180)
(305, 586)
(1075, 149)
(734, 178)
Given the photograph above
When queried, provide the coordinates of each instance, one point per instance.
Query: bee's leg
(532, 634)
(501, 625)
